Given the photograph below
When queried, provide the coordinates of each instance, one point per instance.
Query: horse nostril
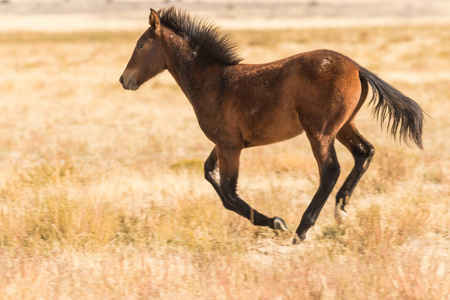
(121, 80)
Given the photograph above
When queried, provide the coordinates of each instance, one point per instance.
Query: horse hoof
(340, 215)
(297, 239)
(279, 224)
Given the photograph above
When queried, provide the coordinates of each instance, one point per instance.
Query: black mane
(202, 32)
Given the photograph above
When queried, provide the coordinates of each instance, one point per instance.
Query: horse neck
(197, 76)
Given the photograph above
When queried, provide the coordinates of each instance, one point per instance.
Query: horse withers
(245, 105)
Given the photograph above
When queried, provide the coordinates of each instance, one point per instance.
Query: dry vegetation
(102, 192)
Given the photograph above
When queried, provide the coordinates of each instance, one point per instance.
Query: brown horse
(246, 105)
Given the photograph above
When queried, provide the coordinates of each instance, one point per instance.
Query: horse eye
(140, 46)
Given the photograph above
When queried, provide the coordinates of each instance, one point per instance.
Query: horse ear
(154, 20)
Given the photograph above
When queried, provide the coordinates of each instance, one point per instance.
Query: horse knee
(210, 166)
(228, 193)
(209, 169)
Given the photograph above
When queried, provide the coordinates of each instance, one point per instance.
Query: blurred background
(67, 15)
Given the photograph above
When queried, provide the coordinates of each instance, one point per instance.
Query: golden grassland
(102, 193)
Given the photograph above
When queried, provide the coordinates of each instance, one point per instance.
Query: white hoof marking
(339, 214)
(297, 240)
(278, 223)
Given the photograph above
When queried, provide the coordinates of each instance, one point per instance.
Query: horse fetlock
(342, 199)
(298, 238)
(300, 233)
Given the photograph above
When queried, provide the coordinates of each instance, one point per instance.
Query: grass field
(102, 193)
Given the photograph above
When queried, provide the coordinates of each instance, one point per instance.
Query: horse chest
(215, 123)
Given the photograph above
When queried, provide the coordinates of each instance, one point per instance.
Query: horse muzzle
(129, 82)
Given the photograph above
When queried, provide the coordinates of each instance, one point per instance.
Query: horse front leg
(212, 176)
(229, 169)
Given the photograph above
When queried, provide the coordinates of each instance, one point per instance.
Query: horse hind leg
(362, 152)
(325, 154)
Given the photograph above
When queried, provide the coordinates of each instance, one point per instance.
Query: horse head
(147, 59)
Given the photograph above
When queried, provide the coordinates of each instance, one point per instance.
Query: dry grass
(102, 192)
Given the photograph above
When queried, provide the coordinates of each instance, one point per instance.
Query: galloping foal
(245, 105)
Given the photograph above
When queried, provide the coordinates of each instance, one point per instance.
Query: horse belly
(266, 128)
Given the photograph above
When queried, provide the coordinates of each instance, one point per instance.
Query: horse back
(272, 102)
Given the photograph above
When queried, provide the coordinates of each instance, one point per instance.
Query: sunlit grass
(102, 192)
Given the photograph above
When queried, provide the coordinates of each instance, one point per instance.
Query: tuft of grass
(333, 232)
(195, 165)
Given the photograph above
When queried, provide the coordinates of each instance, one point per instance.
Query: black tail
(404, 116)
